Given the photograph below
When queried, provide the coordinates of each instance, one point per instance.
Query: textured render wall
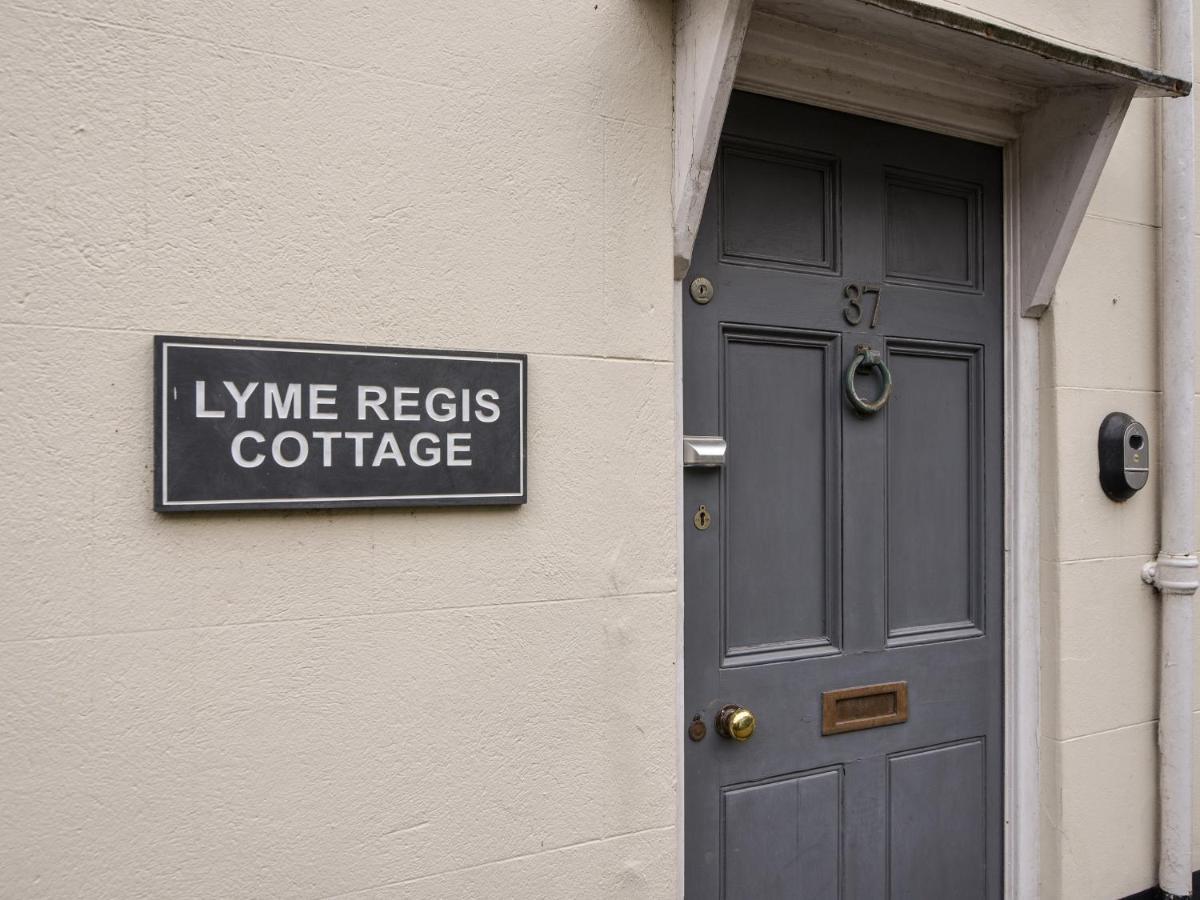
(1100, 624)
(424, 704)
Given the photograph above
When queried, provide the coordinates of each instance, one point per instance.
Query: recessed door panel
(934, 442)
(783, 838)
(781, 530)
(932, 231)
(937, 822)
(778, 207)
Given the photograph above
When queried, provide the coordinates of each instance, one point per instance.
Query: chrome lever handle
(703, 451)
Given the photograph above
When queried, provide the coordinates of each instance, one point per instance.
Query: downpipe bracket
(1173, 574)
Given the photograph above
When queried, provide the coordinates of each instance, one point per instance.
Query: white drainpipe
(1174, 572)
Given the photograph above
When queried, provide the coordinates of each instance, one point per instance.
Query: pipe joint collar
(1173, 574)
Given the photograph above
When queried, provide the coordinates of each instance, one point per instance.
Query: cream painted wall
(1100, 623)
(435, 703)
(393, 703)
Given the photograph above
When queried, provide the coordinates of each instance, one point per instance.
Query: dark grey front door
(846, 548)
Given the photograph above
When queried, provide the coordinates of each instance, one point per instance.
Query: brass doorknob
(736, 723)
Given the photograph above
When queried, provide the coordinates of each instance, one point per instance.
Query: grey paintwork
(846, 550)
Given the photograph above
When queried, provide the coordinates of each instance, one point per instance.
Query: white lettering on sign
(371, 396)
(403, 403)
(372, 402)
(241, 397)
(326, 439)
(316, 400)
(239, 457)
(285, 406)
(358, 437)
(457, 442)
(486, 398)
(286, 401)
(290, 449)
(201, 411)
(440, 412)
(430, 456)
(388, 449)
(281, 458)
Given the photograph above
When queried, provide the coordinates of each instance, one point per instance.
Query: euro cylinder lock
(1124, 449)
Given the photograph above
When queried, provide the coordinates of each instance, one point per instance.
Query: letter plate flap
(868, 706)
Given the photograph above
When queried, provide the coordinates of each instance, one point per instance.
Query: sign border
(162, 504)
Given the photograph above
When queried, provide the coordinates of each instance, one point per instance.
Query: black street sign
(268, 425)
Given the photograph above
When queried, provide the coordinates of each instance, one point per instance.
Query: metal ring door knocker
(865, 356)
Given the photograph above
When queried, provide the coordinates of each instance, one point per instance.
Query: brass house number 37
(856, 295)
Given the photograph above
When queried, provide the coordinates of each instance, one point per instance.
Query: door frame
(1021, 506)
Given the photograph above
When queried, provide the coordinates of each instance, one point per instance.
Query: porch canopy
(1057, 107)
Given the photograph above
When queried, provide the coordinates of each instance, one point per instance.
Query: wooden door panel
(778, 207)
(937, 838)
(782, 838)
(935, 492)
(781, 531)
(932, 231)
(846, 549)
